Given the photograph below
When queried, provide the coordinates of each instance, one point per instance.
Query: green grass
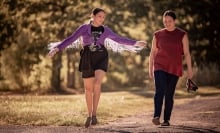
(71, 109)
(67, 110)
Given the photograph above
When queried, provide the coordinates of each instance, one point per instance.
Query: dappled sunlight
(71, 109)
(29, 27)
(32, 110)
(122, 77)
(137, 30)
(40, 75)
(66, 110)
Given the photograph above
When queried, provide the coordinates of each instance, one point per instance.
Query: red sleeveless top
(170, 51)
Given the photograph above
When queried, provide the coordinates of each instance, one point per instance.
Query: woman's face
(169, 22)
(99, 18)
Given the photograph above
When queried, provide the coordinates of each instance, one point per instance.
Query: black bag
(191, 86)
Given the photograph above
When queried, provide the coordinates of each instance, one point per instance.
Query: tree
(28, 26)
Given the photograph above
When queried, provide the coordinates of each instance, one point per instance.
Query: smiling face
(99, 18)
(169, 23)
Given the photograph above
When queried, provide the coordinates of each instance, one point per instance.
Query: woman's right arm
(68, 41)
(152, 56)
(52, 52)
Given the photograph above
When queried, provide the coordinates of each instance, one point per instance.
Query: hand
(190, 74)
(141, 43)
(53, 52)
(151, 75)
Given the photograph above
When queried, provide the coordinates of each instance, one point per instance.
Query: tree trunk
(70, 71)
(55, 80)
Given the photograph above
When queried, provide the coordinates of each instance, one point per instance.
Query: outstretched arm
(119, 44)
(61, 45)
(141, 43)
(123, 40)
(53, 52)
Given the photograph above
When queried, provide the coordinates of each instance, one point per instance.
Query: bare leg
(99, 75)
(89, 84)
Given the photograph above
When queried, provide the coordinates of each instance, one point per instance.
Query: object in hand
(191, 86)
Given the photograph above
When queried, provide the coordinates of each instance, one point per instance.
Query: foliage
(39, 22)
(207, 74)
(28, 26)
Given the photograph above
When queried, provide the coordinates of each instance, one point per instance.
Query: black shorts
(93, 60)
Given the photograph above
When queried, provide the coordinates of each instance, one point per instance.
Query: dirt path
(196, 115)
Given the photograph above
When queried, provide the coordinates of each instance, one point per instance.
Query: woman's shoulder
(106, 27)
(180, 30)
(159, 31)
(84, 25)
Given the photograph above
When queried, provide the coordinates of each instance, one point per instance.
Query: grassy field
(71, 109)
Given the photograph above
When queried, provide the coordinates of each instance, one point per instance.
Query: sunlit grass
(114, 105)
(41, 110)
(71, 109)
(67, 110)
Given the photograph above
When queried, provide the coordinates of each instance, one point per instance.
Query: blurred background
(28, 26)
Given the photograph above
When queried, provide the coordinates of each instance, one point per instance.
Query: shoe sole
(165, 125)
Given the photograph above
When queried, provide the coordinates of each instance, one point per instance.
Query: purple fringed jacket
(84, 31)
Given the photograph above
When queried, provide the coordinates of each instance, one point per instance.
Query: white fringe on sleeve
(53, 45)
(119, 48)
(76, 44)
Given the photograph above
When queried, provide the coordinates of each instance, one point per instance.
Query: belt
(94, 48)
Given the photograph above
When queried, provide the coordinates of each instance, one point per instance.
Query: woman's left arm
(187, 55)
(123, 40)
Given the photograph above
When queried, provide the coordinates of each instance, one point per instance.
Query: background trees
(28, 26)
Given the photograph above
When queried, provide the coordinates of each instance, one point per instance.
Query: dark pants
(165, 84)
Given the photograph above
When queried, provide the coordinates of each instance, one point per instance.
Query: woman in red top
(165, 66)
